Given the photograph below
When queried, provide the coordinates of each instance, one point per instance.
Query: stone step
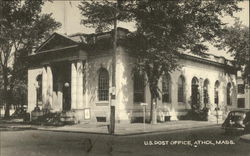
(68, 120)
(67, 113)
(67, 116)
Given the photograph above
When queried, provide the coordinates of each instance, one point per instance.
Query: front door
(65, 71)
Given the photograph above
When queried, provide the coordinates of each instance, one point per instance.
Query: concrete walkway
(120, 129)
(132, 129)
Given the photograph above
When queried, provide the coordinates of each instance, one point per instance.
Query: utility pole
(113, 92)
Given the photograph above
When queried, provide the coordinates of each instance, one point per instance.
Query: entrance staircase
(68, 117)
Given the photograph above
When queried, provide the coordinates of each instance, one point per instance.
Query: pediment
(56, 41)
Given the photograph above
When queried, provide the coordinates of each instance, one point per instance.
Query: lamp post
(66, 84)
(65, 96)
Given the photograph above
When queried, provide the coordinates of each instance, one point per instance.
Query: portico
(61, 67)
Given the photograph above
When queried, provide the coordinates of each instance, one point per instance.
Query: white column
(174, 94)
(222, 97)
(79, 95)
(187, 90)
(211, 94)
(50, 87)
(44, 86)
(73, 85)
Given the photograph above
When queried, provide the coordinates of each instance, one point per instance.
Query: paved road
(206, 141)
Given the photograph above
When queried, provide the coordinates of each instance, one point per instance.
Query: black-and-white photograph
(124, 78)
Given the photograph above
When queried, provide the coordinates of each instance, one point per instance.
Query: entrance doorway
(62, 84)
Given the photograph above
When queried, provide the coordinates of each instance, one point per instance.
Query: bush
(21, 113)
(198, 115)
(49, 119)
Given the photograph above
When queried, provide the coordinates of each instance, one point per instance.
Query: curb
(18, 127)
(245, 138)
(166, 130)
(68, 131)
(128, 134)
(31, 127)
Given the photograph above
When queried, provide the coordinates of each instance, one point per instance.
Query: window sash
(166, 89)
(228, 95)
(216, 97)
(180, 93)
(206, 96)
(103, 85)
(181, 83)
(241, 89)
(241, 102)
(139, 88)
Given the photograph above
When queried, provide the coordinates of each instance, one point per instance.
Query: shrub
(198, 115)
(49, 119)
(21, 113)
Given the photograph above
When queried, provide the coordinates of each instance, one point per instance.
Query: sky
(67, 13)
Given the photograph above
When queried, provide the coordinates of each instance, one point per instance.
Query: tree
(235, 40)
(165, 29)
(22, 28)
(103, 15)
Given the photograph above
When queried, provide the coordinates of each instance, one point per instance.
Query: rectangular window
(103, 85)
(180, 94)
(216, 98)
(166, 89)
(241, 102)
(181, 82)
(206, 97)
(241, 89)
(139, 88)
(165, 97)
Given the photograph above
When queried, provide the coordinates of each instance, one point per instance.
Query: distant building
(243, 89)
(72, 75)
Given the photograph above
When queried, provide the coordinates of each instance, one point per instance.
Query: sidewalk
(120, 129)
(132, 129)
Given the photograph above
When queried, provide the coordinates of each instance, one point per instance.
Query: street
(199, 141)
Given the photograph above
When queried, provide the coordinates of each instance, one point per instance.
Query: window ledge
(138, 103)
(181, 103)
(102, 103)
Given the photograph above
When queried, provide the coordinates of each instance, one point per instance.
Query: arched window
(205, 92)
(216, 92)
(229, 86)
(166, 88)
(181, 83)
(195, 93)
(139, 87)
(39, 88)
(103, 85)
